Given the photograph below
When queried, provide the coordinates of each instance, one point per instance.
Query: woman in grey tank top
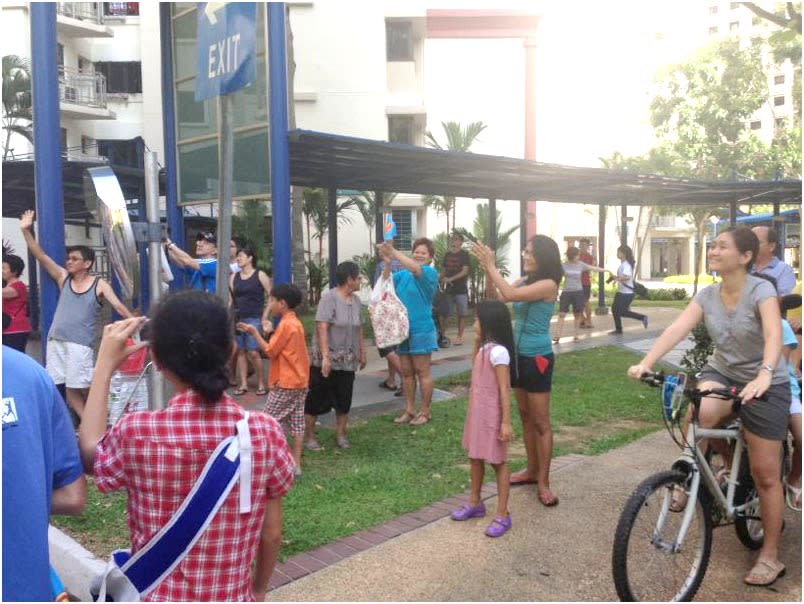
(742, 316)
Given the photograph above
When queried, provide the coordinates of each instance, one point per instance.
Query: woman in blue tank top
(534, 298)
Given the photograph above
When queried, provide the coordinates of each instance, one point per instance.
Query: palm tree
(17, 117)
(367, 206)
(316, 213)
(458, 139)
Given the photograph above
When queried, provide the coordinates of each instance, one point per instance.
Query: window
(399, 40)
(778, 79)
(84, 65)
(121, 76)
(778, 101)
(713, 10)
(734, 26)
(60, 51)
(756, 125)
(63, 139)
(404, 229)
(121, 9)
(713, 30)
(400, 129)
(120, 152)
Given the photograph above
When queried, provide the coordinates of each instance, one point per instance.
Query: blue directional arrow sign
(225, 47)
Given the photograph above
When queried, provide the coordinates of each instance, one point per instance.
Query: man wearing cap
(768, 264)
(202, 269)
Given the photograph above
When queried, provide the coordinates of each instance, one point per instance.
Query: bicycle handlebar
(656, 380)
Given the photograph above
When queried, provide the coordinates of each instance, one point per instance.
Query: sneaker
(312, 445)
(498, 526)
(466, 511)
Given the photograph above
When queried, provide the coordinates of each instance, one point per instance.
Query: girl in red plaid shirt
(157, 456)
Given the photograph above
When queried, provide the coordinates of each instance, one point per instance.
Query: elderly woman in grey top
(742, 316)
(338, 351)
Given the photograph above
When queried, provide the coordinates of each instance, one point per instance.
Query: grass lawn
(391, 470)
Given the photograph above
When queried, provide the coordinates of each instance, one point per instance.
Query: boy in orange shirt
(289, 373)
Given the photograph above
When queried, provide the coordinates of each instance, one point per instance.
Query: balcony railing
(84, 11)
(87, 89)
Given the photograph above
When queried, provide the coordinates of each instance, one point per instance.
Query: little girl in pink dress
(488, 420)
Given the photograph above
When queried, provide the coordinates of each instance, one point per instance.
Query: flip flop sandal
(260, 391)
(547, 499)
(764, 573)
(239, 391)
(420, 419)
(792, 496)
(555, 340)
(520, 480)
(405, 418)
(385, 386)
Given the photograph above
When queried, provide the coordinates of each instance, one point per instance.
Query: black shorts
(533, 373)
(384, 352)
(575, 299)
(331, 392)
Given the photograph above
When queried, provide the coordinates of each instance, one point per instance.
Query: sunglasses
(207, 236)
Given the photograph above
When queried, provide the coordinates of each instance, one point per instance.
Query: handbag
(128, 578)
(640, 291)
(389, 317)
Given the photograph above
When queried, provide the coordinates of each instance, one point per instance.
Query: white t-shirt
(625, 270)
(498, 355)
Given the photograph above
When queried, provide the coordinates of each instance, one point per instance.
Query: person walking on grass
(534, 298)
(487, 429)
(72, 335)
(338, 352)
(249, 287)
(573, 293)
(289, 373)
(621, 307)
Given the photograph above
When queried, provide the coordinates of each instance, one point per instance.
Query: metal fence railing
(78, 88)
(85, 11)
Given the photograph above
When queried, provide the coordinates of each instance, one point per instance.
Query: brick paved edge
(306, 563)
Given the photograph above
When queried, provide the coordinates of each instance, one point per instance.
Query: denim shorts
(244, 340)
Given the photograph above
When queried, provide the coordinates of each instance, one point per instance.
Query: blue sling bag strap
(127, 577)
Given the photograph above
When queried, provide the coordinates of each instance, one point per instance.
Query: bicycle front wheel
(646, 564)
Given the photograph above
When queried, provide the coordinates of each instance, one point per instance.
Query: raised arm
(388, 250)
(544, 289)
(180, 257)
(57, 273)
(678, 329)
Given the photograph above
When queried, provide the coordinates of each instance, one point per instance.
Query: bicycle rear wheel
(645, 565)
(748, 523)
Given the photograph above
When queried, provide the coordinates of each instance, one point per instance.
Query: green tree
(366, 204)
(252, 223)
(17, 117)
(458, 139)
(316, 213)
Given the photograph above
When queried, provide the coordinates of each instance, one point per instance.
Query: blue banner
(226, 39)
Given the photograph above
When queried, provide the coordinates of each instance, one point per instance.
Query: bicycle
(662, 544)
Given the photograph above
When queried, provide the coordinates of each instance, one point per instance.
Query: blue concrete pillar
(280, 163)
(47, 150)
(174, 215)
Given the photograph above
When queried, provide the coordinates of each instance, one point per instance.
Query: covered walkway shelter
(335, 162)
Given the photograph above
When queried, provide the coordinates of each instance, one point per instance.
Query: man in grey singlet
(71, 339)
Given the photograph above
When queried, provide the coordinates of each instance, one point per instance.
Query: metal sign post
(225, 52)
(156, 385)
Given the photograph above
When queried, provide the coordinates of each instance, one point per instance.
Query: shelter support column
(332, 229)
(379, 209)
(624, 224)
(493, 223)
(601, 250)
(733, 212)
(47, 164)
(523, 235)
(529, 224)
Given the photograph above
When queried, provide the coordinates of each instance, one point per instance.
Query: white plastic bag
(389, 317)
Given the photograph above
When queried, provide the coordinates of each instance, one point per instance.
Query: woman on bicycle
(742, 316)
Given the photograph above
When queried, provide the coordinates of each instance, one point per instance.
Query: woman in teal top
(415, 284)
(534, 298)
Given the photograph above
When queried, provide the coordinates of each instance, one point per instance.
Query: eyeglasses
(206, 236)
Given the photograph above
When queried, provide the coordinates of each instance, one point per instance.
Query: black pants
(621, 307)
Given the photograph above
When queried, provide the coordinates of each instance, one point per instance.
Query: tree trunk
(298, 267)
(699, 234)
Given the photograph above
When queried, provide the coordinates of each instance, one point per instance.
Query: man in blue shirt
(42, 475)
(202, 270)
(767, 263)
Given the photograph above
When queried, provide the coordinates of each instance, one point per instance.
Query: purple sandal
(498, 526)
(466, 511)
